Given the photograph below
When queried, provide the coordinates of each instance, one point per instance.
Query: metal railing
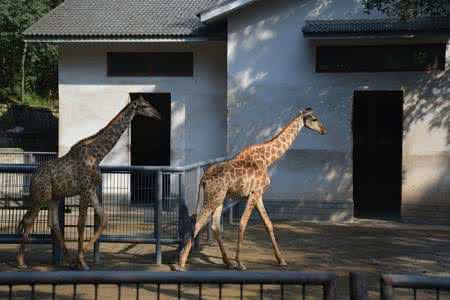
(144, 205)
(26, 157)
(188, 285)
(389, 283)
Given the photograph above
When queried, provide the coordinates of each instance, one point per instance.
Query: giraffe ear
(308, 109)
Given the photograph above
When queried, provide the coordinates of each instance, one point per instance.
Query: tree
(40, 59)
(407, 9)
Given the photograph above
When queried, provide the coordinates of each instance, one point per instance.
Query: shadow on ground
(365, 246)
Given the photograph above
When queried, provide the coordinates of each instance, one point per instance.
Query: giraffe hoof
(23, 267)
(82, 267)
(231, 266)
(241, 267)
(282, 264)
(177, 268)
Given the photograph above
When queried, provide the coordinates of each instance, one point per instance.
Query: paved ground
(363, 245)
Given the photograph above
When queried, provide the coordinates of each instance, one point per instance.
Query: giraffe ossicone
(77, 174)
(245, 177)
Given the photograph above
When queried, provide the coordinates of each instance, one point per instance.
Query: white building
(232, 73)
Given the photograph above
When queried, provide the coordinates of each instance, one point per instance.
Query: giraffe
(77, 173)
(245, 177)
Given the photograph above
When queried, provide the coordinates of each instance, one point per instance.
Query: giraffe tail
(20, 229)
(193, 217)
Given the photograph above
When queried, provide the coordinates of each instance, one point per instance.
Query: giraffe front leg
(84, 204)
(269, 228)
(102, 216)
(243, 225)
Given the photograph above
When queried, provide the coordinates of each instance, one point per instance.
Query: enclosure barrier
(10, 157)
(137, 280)
(148, 205)
(414, 282)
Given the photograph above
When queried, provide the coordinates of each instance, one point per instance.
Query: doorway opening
(150, 146)
(150, 138)
(377, 154)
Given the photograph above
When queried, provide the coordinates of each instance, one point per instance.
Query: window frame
(110, 72)
(441, 56)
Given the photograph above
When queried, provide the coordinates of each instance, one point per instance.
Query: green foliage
(407, 9)
(41, 59)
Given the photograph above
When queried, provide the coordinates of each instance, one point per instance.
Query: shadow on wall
(426, 163)
(429, 102)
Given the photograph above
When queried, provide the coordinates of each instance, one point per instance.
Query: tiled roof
(364, 26)
(119, 18)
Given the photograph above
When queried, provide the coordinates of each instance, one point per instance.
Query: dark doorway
(377, 153)
(150, 138)
(150, 146)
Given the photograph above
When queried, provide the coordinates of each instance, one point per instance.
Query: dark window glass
(388, 58)
(174, 64)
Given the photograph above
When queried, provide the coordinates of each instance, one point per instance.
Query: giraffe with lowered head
(245, 177)
(77, 173)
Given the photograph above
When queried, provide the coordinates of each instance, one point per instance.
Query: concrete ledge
(306, 210)
(426, 214)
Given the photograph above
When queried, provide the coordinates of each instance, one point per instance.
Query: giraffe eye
(314, 120)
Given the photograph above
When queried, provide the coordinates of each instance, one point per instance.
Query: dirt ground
(367, 246)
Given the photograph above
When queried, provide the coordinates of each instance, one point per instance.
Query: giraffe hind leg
(24, 228)
(216, 228)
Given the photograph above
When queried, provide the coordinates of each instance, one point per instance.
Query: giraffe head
(312, 122)
(144, 108)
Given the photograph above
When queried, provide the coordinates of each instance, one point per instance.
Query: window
(388, 58)
(150, 64)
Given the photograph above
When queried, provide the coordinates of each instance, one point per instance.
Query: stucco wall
(89, 99)
(271, 76)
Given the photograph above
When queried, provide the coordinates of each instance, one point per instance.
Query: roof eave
(220, 12)
(374, 35)
(30, 38)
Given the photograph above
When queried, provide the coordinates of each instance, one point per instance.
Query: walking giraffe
(245, 177)
(77, 173)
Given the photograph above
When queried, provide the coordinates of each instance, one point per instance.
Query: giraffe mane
(89, 139)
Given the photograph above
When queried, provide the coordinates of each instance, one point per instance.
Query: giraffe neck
(279, 144)
(102, 143)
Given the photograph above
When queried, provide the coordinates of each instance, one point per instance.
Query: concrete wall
(271, 76)
(89, 99)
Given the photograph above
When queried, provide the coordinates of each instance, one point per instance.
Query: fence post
(329, 289)
(386, 291)
(158, 212)
(358, 286)
(57, 252)
(230, 215)
(96, 252)
(197, 185)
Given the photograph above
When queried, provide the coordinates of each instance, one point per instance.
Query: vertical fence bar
(358, 286)
(96, 251)
(386, 291)
(158, 212)
(57, 252)
(197, 188)
(329, 290)
(183, 215)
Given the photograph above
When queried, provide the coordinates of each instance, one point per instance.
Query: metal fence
(209, 285)
(9, 157)
(154, 285)
(144, 205)
(412, 284)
